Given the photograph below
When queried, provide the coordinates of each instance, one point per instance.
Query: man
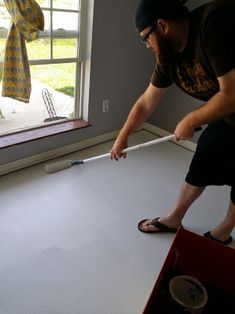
(195, 51)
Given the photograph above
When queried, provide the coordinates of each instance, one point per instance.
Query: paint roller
(64, 164)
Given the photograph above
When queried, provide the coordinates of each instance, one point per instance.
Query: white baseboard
(55, 153)
(59, 152)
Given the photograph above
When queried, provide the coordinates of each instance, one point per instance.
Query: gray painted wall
(120, 71)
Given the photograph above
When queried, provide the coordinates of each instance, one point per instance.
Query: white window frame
(81, 92)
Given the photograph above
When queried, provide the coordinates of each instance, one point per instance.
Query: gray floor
(69, 241)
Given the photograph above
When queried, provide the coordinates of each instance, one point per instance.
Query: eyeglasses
(145, 39)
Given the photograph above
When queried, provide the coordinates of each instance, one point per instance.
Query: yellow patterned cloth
(26, 22)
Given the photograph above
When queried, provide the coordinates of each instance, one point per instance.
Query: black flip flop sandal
(155, 222)
(209, 236)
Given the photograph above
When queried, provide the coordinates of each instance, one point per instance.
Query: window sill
(41, 132)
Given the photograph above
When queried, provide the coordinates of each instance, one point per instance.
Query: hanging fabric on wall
(26, 21)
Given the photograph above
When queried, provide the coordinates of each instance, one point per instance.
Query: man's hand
(184, 130)
(118, 147)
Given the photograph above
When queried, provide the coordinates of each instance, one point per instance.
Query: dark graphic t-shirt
(210, 52)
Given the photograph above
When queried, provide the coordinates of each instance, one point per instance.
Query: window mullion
(51, 30)
(79, 66)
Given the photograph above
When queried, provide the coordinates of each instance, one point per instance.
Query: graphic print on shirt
(193, 79)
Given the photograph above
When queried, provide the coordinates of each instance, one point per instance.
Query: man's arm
(219, 106)
(140, 112)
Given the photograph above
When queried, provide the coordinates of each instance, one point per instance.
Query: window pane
(61, 77)
(65, 32)
(65, 48)
(65, 21)
(40, 48)
(44, 3)
(4, 17)
(2, 48)
(66, 4)
(59, 80)
(4, 26)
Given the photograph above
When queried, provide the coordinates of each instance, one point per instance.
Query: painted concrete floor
(69, 240)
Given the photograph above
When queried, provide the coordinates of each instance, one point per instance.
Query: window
(55, 65)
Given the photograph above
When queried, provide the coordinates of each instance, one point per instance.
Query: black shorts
(214, 160)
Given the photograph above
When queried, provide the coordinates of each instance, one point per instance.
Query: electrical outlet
(105, 105)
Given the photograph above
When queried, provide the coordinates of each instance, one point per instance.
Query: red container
(212, 263)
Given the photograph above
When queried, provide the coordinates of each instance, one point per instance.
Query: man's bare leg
(224, 229)
(187, 196)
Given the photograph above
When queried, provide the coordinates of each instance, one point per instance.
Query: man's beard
(166, 48)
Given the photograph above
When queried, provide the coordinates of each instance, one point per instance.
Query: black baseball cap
(149, 11)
